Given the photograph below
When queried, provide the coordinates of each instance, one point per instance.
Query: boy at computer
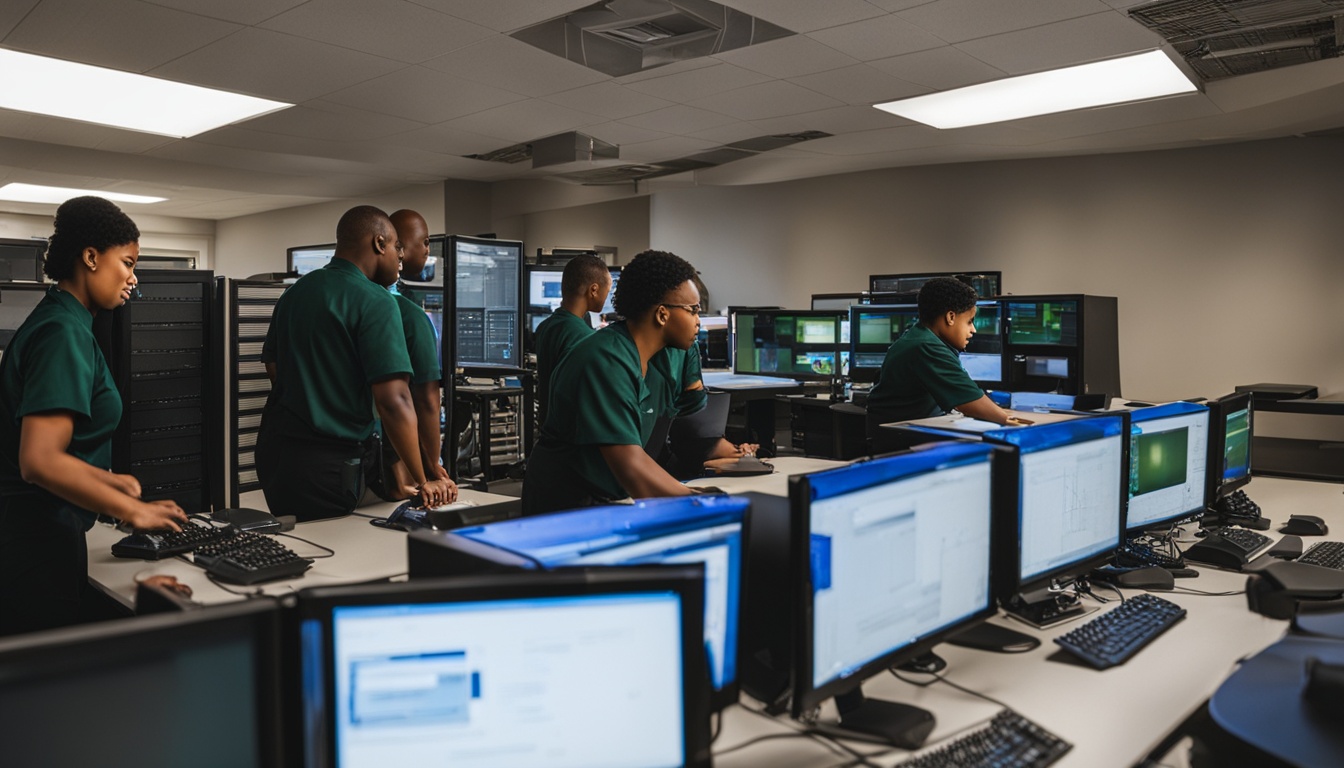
(584, 286)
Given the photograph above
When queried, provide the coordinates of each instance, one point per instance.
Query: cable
(718, 727)
(330, 552)
(1114, 589)
(941, 679)
(821, 737)
(256, 593)
(1189, 591)
(759, 739)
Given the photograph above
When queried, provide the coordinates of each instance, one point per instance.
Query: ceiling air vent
(621, 37)
(569, 147)
(624, 174)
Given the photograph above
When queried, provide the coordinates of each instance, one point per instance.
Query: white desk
(363, 553)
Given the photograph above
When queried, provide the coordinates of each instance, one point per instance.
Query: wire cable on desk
(829, 741)
(941, 679)
(330, 552)
(1190, 591)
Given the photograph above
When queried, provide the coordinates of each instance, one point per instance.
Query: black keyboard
(1111, 638)
(1008, 741)
(1138, 554)
(1327, 554)
(1228, 547)
(157, 545)
(250, 558)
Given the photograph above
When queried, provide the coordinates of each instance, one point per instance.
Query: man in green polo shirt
(922, 375)
(335, 352)
(591, 450)
(674, 381)
(584, 286)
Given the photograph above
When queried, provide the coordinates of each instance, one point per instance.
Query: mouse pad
(738, 467)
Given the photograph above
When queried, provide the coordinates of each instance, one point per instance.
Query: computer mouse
(1138, 404)
(1305, 525)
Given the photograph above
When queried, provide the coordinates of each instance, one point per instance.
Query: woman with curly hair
(58, 410)
(601, 413)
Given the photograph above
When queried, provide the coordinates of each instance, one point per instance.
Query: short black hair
(580, 272)
(85, 222)
(363, 222)
(945, 294)
(647, 279)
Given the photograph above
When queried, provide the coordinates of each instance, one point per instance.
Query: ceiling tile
(503, 62)
(423, 95)
(773, 99)
(505, 15)
(247, 12)
(607, 99)
(808, 15)
(393, 29)
(1063, 44)
(679, 119)
(860, 84)
(939, 68)
(1121, 117)
(787, 57)
(72, 133)
(99, 33)
(446, 140)
(331, 121)
(524, 121)
(12, 12)
(901, 5)
(675, 67)
(670, 148)
(685, 86)
(877, 38)
(840, 120)
(958, 20)
(882, 140)
(620, 134)
(260, 62)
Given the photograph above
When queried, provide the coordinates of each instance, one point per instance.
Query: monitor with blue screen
(560, 669)
(891, 556)
(1168, 460)
(704, 529)
(306, 258)
(1229, 464)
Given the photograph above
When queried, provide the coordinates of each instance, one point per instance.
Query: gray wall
(1225, 259)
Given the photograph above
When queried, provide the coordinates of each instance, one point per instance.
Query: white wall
(622, 224)
(248, 245)
(169, 235)
(1226, 259)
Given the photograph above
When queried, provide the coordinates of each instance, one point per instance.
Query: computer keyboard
(1138, 554)
(1009, 740)
(1229, 548)
(1111, 638)
(1327, 554)
(249, 558)
(157, 545)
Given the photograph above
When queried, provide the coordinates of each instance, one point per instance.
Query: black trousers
(305, 474)
(44, 565)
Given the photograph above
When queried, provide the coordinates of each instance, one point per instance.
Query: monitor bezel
(860, 297)
(687, 581)
(289, 253)
(1037, 348)
(840, 348)
(1165, 411)
(805, 695)
(449, 348)
(872, 280)
(866, 374)
(1218, 410)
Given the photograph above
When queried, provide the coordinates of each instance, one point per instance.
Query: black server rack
(250, 306)
(1066, 343)
(161, 349)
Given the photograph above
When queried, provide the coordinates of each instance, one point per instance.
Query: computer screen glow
(1167, 463)
(1237, 445)
(487, 286)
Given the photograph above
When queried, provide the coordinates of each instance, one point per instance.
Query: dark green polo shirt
(606, 403)
(422, 344)
(416, 296)
(334, 333)
(555, 337)
(671, 371)
(921, 376)
(53, 363)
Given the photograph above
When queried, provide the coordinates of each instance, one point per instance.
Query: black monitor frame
(687, 581)
(19, 287)
(839, 349)
(860, 297)
(1219, 410)
(120, 643)
(876, 287)
(26, 254)
(1167, 521)
(451, 363)
(290, 252)
(856, 347)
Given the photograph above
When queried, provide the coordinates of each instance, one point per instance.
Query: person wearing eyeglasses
(591, 449)
(674, 380)
(584, 286)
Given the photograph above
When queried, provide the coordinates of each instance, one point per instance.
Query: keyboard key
(1113, 637)
(1009, 740)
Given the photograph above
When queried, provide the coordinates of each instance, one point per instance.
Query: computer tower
(161, 350)
(1065, 343)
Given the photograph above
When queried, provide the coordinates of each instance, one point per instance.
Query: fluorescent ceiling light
(1131, 78)
(91, 94)
(35, 193)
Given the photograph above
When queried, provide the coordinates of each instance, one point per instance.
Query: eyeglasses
(694, 309)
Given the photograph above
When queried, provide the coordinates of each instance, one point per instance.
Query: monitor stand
(994, 638)
(1045, 607)
(887, 722)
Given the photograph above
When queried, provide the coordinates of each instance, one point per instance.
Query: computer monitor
(796, 344)
(1168, 457)
(485, 298)
(703, 529)
(1045, 323)
(1229, 462)
(609, 308)
(306, 258)
(891, 556)
(1070, 488)
(21, 259)
(840, 302)
(17, 302)
(987, 284)
(983, 356)
(579, 669)
(544, 294)
(67, 694)
(873, 327)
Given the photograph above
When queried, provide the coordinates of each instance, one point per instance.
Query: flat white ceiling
(394, 92)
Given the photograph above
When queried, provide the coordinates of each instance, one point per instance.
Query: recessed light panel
(36, 193)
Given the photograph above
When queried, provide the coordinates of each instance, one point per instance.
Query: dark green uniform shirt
(333, 334)
(422, 344)
(605, 403)
(53, 363)
(555, 337)
(671, 371)
(921, 376)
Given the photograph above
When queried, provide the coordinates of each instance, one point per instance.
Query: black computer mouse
(1305, 525)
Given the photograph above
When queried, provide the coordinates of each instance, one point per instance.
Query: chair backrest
(708, 422)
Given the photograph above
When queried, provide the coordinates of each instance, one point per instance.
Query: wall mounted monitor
(796, 344)
(66, 693)
(703, 529)
(565, 669)
(306, 258)
(17, 301)
(838, 301)
(987, 284)
(1047, 323)
(1168, 460)
(21, 260)
(891, 556)
(484, 303)
(1229, 463)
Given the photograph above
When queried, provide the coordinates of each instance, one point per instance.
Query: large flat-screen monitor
(1070, 489)
(873, 327)
(1229, 463)
(1168, 459)
(566, 669)
(838, 301)
(987, 284)
(17, 301)
(485, 305)
(130, 692)
(796, 344)
(1045, 323)
(544, 294)
(891, 556)
(703, 529)
(306, 258)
